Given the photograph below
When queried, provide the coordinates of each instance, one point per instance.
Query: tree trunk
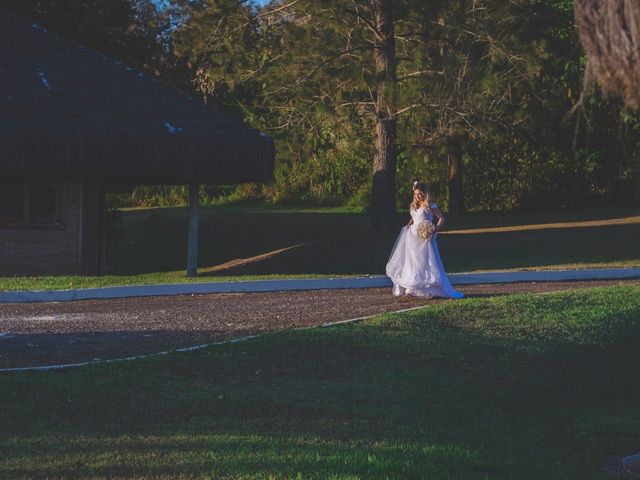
(384, 160)
(194, 220)
(455, 177)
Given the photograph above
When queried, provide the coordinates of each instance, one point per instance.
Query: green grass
(514, 387)
(329, 242)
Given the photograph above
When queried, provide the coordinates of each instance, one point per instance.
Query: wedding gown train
(415, 267)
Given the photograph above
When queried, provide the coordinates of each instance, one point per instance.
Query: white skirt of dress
(415, 268)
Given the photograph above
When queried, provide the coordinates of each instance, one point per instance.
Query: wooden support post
(192, 243)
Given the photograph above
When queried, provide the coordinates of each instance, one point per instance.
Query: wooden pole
(194, 220)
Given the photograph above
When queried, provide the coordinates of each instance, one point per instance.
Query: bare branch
(366, 21)
(406, 109)
(419, 74)
(328, 60)
(276, 10)
(349, 104)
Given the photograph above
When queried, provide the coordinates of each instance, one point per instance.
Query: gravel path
(68, 332)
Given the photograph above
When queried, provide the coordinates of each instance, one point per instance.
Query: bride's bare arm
(438, 214)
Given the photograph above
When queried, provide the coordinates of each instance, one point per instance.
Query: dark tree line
(474, 97)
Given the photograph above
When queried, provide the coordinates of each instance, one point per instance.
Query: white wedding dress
(415, 266)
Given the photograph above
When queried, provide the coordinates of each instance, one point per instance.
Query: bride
(414, 265)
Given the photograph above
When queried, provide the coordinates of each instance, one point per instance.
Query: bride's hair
(421, 187)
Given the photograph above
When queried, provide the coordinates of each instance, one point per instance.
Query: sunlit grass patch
(236, 456)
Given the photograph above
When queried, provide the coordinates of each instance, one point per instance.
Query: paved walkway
(310, 284)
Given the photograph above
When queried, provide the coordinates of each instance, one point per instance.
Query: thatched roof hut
(73, 122)
(66, 107)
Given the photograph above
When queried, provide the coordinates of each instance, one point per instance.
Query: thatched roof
(66, 108)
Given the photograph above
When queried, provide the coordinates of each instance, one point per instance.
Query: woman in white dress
(415, 266)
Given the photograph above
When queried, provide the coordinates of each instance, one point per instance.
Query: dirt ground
(37, 334)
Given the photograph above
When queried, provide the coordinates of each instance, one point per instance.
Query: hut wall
(46, 249)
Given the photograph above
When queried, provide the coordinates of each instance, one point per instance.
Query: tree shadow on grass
(360, 254)
(345, 244)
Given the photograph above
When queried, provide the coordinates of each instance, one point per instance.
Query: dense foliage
(484, 88)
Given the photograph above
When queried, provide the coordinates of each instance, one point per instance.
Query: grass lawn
(241, 243)
(513, 387)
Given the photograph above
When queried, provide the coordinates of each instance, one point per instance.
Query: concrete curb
(192, 289)
(545, 276)
(307, 284)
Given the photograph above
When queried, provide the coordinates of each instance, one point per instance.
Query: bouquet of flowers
(425, 230)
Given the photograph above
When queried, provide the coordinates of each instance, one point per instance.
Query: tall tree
(471, 84)
(384, 160)
(335, 64)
